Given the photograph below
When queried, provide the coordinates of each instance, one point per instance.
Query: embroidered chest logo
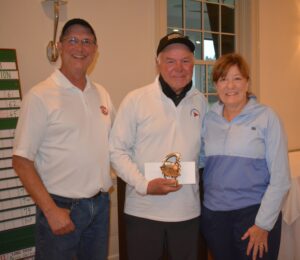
(104, 110)
(195, 112)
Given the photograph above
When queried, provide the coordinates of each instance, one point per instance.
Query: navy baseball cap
(76, 21)
(174, 37)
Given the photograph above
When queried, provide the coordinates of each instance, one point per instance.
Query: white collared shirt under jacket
(65, 132)
(149, 126)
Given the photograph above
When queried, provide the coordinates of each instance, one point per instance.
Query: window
(210, 24)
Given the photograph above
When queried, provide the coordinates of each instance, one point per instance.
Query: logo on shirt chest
(104, 110)
(195, 112)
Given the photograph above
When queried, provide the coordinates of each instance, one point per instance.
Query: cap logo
(174, 36)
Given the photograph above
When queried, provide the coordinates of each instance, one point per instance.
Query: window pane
(213, 1)
(228, 2)
(193, 14)
(212, 99)
(175, 14)
(211, 17)
(211, 46)
(227, 19)
(196, 38)
(211, 87)
(199, 77)
(227, 43)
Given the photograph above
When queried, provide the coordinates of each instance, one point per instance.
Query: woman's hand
(258, 241)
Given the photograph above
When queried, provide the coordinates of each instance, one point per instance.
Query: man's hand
(258, 241)
(58, 218)
(59, 221)
(161, 186)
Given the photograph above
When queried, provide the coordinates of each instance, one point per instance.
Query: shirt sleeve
(278, 165)
(122, 140)
(31, 127)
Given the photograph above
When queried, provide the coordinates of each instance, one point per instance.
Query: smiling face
(232, 88)
(175, 64)
(231, 77)
(77, 49)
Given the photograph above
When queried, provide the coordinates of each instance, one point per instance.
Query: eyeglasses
(73, 41)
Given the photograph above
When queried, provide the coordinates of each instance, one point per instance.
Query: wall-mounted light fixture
(52, 52)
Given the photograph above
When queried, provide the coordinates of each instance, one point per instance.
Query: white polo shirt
(65, 132)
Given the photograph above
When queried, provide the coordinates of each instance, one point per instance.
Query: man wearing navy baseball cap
(153, 121)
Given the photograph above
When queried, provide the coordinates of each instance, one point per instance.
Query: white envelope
(187, 172)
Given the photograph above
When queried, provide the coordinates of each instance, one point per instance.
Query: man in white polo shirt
(153, 121)
(61, 152)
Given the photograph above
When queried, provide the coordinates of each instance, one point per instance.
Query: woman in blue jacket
(246, 171)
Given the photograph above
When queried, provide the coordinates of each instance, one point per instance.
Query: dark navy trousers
(223, 231)
(149, 239)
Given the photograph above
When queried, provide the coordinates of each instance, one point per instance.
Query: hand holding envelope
(161, 186)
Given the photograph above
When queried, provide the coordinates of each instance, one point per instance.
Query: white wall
(279, 62)
(125, 31)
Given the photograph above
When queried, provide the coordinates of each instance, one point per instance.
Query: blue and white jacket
(246, 161)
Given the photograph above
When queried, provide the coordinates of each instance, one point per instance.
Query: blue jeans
(89, 240)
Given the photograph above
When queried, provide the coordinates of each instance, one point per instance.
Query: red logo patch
(195, 112)
(104, 110)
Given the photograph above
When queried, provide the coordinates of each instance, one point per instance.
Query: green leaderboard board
(17, 210)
